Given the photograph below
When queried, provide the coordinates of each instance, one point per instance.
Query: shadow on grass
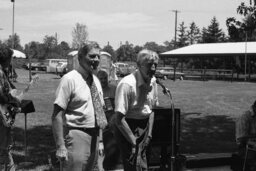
(40, 144)
(209, 134)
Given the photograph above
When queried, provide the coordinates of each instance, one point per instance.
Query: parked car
(122, 69)
(52, 63)
(61, 68)
(65, 70)
(37, 66)
(168, 73)
(25, 65)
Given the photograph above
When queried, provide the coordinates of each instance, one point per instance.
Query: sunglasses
(149, 65)
(94, 56)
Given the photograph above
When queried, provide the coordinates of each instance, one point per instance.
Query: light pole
(245, 57)
(13, 7)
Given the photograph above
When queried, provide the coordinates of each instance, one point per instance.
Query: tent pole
(245, 56)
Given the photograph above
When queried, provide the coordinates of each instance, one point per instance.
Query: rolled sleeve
(63, 93)
(122, 98)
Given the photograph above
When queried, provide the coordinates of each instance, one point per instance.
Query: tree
(213, 33)
(240, 30)
(9, 42)
(204, 35)
(63, 48)
(50, 42)
(250, 27)
(154, 47)
(169, 45)
(31, 49)
(182, 36)
(108, 48)
(193, 33)
(50, 46)
(137, 49)
(79, 35)
(126, 52)
(235, 31)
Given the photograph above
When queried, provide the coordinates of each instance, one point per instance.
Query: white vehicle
(52, 63)
(168, 73)
(122, 69)
(60, 67)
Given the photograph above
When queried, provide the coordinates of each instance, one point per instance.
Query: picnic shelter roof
(214, 49)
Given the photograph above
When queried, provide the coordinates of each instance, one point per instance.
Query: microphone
(165, 90)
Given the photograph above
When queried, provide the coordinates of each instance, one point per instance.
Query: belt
(90, 131)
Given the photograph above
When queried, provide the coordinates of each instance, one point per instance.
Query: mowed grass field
(208, 110)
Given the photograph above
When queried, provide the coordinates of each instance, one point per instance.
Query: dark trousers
(112, 159)
(140, 130)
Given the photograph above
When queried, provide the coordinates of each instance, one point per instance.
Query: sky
(113, 21)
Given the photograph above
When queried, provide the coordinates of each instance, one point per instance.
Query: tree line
(186, 35)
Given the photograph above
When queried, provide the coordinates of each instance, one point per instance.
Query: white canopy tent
(18, 54)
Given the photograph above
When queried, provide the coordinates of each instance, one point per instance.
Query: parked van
(122, 69)
(52, 63)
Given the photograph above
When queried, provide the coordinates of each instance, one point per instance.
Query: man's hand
(132, 157)
(101, 149)
(62, 153)
(146, 143)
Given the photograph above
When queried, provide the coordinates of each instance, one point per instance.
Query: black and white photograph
(127, 85)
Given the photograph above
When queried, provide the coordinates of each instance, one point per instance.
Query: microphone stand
(173, 140)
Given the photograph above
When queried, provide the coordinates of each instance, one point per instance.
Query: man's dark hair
(83, 51)
(5, 53)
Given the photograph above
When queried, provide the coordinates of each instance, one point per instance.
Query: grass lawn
(208, 110)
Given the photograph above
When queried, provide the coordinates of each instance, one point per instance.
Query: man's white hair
(146, 55)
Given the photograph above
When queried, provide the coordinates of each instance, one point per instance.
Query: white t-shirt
(74, 96)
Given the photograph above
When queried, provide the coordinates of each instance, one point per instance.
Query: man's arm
(151, 124)
(124, 128)
(57, 126)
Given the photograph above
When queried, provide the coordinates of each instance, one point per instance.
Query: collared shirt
(74, 96)
(134, 98)
(246, 124)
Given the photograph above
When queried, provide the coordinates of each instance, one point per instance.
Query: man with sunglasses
(136, 94)
(79, 100)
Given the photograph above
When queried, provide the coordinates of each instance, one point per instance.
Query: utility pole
(175, 42)
(56, 37)
(175, 34)
(13, 8)
(245, 56)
